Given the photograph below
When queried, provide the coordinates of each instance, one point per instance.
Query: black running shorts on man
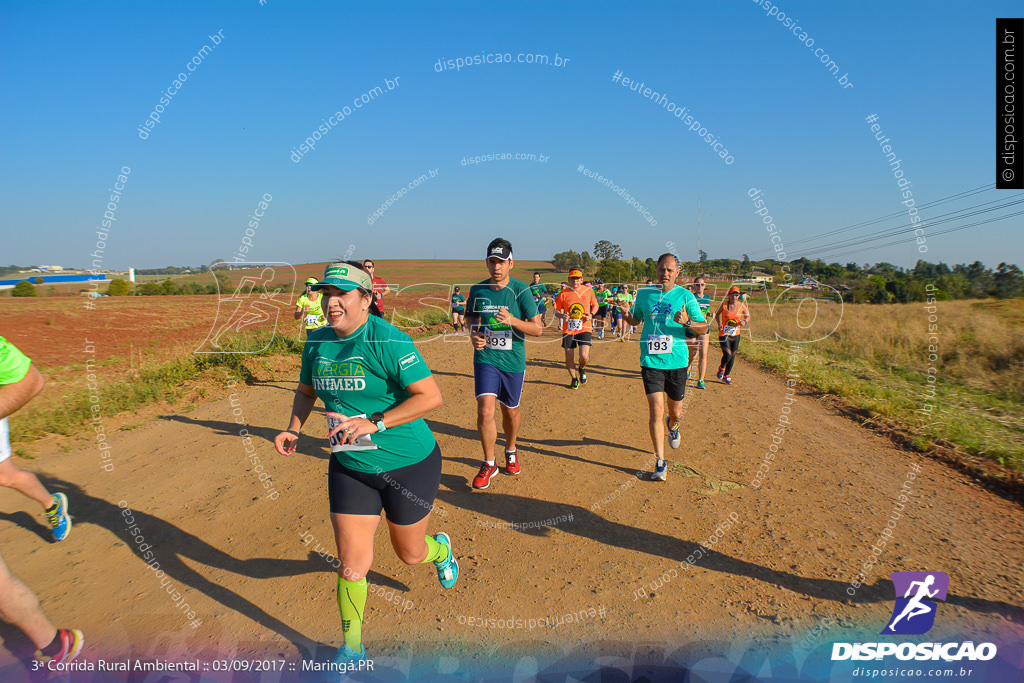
(572, 341)
(670, 381)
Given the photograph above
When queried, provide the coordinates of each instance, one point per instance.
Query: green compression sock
(351, 604)
(436, 552)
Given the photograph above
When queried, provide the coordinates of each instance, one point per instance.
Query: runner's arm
(717, 317)
(531, 327)
(628, 315)
(14, 396)
(302, 405)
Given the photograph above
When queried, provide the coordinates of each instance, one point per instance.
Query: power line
(941, 232)
(959, 214)
(872, 221)
(907, 227)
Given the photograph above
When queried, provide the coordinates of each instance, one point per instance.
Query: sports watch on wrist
(378, 420)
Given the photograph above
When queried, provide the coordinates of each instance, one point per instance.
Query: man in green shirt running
(500, 311)
(19, 383)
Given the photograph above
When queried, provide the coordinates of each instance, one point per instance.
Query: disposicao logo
(913, 614)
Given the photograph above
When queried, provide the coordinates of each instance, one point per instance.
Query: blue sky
(78, 79)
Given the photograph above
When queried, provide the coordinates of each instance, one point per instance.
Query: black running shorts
(571, 341)
(671, 382)
(406, 495)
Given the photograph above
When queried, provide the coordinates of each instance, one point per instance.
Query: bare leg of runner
(485, 425)
(510, 419)
(570, 363)
(20, 605)
(656, 407)
(25, 483)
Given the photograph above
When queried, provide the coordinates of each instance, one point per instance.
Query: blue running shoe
(660, 471)
(447, 569)
(700, 384)
(349, 661)
(58, 517)
(673, 434)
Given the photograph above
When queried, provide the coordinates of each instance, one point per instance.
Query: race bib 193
(499, 340)
(659, 343)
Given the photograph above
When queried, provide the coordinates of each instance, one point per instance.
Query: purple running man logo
(913, 614)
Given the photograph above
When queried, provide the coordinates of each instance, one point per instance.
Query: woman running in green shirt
(376, 389)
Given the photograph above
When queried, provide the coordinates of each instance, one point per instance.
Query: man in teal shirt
(500, 311)
(667, 312)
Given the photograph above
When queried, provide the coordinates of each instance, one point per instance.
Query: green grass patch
(166, 382)
(983, 424)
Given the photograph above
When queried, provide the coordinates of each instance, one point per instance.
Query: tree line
(876, 284)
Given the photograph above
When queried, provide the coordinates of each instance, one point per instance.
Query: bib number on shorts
(730, 330)
(498, 340)
(363, 443)
(659, 343)
(575, 325)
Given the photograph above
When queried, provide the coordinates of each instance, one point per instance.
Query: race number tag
(729, 330)
(312, 320)
(575, 325)
(498, 340)
(659, 343)
(363, 443)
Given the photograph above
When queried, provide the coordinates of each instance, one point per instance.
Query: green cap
(310, 280)
(344, 277)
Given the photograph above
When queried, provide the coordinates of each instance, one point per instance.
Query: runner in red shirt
(380, 288)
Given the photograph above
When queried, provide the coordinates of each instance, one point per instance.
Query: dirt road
(576, 533)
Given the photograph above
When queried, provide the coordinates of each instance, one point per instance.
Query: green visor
(344, 277)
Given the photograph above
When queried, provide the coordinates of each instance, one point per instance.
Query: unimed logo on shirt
(339, 375)
(408, 361)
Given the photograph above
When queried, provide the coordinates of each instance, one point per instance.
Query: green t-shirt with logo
(505, 348)
(458, 303)
(664, 342)
(314, 316)
(365, 374)
(602, 296)
(13, 363)
(705, 305)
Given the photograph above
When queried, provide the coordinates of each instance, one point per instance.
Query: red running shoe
(483, 479)
(511, 462)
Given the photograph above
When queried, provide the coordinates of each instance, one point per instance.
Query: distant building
(756, 277)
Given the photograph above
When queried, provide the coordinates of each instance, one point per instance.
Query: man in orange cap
(575, 307)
